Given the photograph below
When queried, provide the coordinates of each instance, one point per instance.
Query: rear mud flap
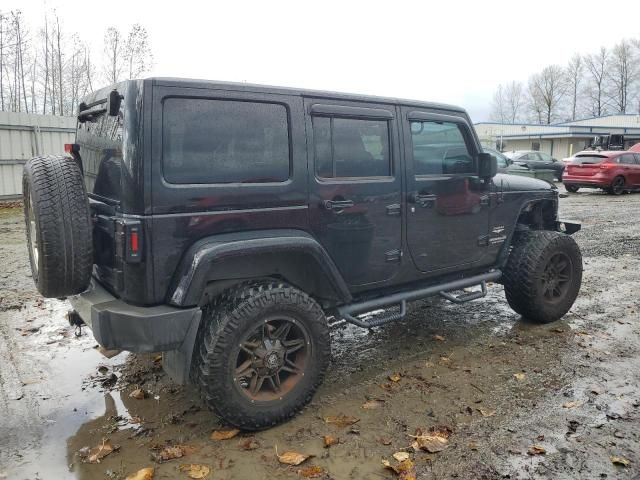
(177, 363)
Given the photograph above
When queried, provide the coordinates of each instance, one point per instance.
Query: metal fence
(23, 136)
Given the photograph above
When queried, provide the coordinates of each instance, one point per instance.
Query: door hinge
(393, 256)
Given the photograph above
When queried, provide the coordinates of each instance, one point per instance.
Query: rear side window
(627, 159)
(440, 148)
(224, 141)
(346, 147)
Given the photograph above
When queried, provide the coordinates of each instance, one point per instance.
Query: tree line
(49, 69)
(592, 85)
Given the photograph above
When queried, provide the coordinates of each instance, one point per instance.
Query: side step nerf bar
(350, 312)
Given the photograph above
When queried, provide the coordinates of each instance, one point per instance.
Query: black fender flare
(534, 199)
(291, 254)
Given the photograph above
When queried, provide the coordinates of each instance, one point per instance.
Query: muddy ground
(499, 383)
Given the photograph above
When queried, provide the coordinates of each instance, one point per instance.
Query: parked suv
(614, 171)
(222, 224)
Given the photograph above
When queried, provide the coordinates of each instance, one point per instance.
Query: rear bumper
(584, 181)
(118, 325)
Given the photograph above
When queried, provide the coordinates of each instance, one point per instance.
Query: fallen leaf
(341, 420)
(385, 441)
(486, 412)
(292, 458)
(171, 452)
(571, 404)
(311, 472)
(98, 453)
(519, 376)
(329, 440)
(401, 456)
(395, 377)
(435, 441)
(224, 434)
(138, 394)
(473, 446)
(249, 443)
(536, 450)
(195, 470)
(372, 404)
(619, 460)
(439, 338)
(143, 474)
(405, 470)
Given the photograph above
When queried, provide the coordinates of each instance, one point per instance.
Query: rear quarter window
(208, 141)
(101, 150)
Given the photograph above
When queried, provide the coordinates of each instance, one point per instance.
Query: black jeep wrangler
(222, 224)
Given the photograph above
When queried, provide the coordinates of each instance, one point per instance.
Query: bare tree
(137, 52)
(499, 111)
(597, 87)
(113, 48)
(51, 71)
(546, 91)
(623, 70)
(3, 30)
(574, 75)
(514, 94)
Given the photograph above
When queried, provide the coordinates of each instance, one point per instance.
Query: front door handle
(337, 205)
(425, 201)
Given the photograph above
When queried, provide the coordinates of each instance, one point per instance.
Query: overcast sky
(448, 51)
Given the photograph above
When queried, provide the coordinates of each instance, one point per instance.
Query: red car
(614, 171)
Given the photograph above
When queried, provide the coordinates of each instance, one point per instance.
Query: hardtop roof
(196, 83)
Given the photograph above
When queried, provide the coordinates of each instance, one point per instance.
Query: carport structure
(558, 140)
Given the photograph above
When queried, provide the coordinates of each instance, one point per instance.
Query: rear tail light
(71, 148)
(605, 166)
(133, 242)
(129, 240)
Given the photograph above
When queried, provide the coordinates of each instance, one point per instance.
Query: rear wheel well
(296, 268)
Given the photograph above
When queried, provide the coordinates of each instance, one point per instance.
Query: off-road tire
(522, 277)
(56, 212)
(224, 323)
(571, 188)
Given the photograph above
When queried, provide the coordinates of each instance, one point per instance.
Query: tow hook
(75, 321)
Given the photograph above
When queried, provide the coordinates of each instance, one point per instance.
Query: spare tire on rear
(58, 221)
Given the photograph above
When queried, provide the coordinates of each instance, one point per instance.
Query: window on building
(346, 147)
(439, 148)
(224, 141)
(535, 146)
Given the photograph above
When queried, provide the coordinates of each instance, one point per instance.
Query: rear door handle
(426, 201)
(337, 205)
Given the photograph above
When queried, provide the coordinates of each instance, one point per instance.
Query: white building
(560, 139)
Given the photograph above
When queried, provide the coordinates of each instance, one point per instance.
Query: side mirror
(487, 165)
(115, 100)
